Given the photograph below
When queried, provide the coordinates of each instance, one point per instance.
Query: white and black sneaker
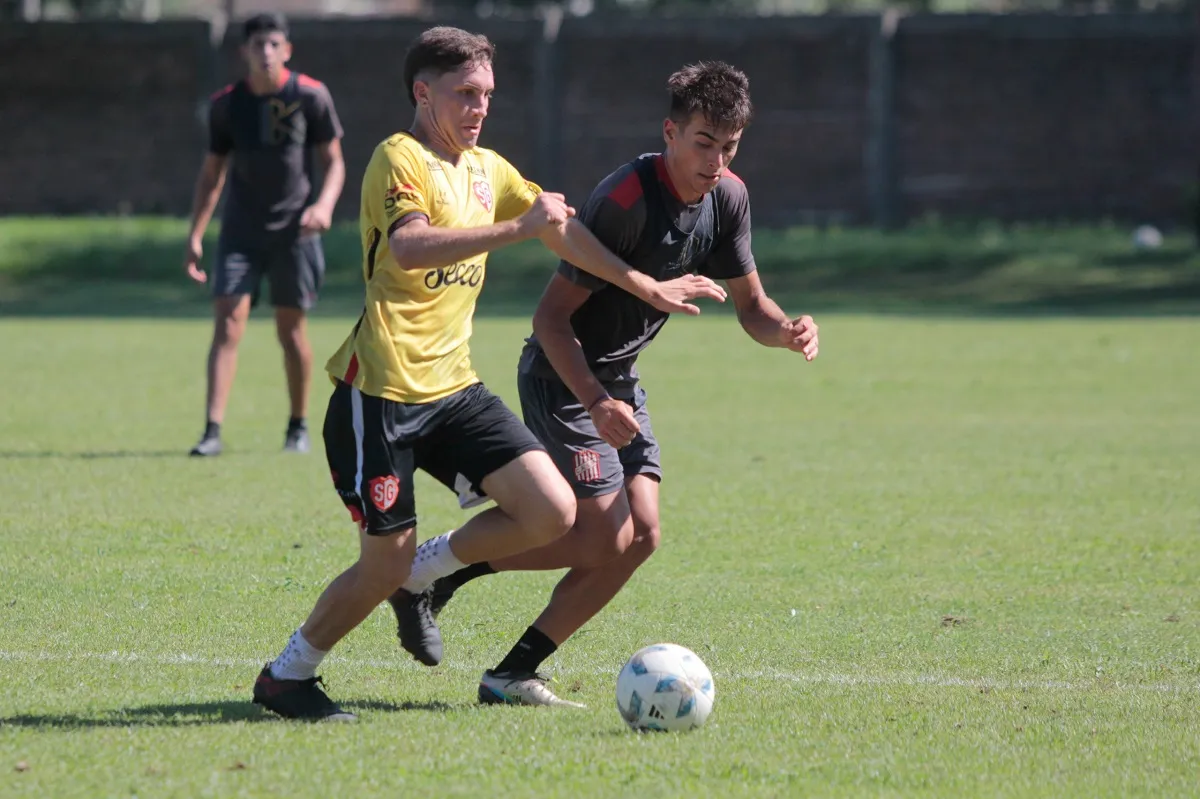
(207, 447)
(296, 440)
(519, 688)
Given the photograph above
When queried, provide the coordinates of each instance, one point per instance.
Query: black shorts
(592, 467)
(293, 265)
(374, 445)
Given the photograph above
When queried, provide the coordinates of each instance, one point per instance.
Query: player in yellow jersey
(405, 397)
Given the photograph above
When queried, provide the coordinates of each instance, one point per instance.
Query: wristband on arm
(597, 401)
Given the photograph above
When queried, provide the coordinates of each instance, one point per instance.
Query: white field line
(815, 677)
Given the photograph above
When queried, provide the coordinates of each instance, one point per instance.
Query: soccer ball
(665, 687)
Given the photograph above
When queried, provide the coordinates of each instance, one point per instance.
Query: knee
(603, 543)
(645, 539)
(550, 518)
(292, 339)
(228, 330)
(384, 569)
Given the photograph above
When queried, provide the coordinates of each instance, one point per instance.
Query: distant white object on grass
(1147, 237)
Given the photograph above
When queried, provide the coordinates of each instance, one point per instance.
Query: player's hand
(316, 219)
(671, 296)
(800, 335)
(614, 422)
(191, 262)
(549, 210)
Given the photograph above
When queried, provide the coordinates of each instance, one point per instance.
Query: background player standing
(268, 126)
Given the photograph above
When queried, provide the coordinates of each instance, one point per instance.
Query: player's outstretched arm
(575, 243)
(766, 323)
(416, 244)
(552, 325)
(209, 183)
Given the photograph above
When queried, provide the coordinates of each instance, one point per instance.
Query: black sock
(297, 423)
(528, 654)
(212, 429)
(458, 579)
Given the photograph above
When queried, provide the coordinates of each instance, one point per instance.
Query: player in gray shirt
(263, 132)
(666, 214)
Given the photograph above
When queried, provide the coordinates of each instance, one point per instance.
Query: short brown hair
(444, 49)
(712, 88)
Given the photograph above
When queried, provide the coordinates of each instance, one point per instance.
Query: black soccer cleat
(416, 626)
(442, 592)
(297, 699)
(207, 447)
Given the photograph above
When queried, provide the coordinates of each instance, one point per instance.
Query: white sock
(298, 661)
(434, 559)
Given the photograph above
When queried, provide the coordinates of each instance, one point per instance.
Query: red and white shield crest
(384, 491)
(587, 466)
(483, 193)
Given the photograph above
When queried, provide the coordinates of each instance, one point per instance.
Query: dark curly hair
(718, 91)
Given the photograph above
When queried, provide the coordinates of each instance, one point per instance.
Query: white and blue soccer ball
(665, 687)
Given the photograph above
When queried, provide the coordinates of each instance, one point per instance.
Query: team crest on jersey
(483, 193)
(587, 466)
(384, 491)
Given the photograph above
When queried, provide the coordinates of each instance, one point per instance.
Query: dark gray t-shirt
(270, 138)
(636, 214)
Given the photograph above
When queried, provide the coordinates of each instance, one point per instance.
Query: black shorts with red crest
(374, 446)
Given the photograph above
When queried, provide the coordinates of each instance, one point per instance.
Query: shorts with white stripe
(374, 446)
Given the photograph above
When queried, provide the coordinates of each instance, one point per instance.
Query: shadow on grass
(199, 713)
(131, 268)
(88, 456)
(167, 715)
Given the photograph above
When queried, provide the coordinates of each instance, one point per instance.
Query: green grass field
(954, 557)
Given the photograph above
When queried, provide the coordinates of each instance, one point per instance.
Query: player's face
(457, 103)
(266, 52)
(698, 154)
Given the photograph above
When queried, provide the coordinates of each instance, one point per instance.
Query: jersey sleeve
(514, 194)
(618, 228)
(732, 256)
(394, 188)
(220, 127)
(323, 123)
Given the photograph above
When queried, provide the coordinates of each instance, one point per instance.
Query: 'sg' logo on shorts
(462, 274)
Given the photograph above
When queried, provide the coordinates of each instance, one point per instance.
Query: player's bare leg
(584, 592)
(229, 324)
(577, 598)
(291, 325)
(603, 529)
(288, 685)
(383, 565)
(535, 506)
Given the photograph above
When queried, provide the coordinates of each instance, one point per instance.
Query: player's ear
(670, 130)
(421, 92)
(287, 51)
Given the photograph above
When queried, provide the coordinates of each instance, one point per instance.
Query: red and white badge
(384, 491)
(587, 466)
(483, 193)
